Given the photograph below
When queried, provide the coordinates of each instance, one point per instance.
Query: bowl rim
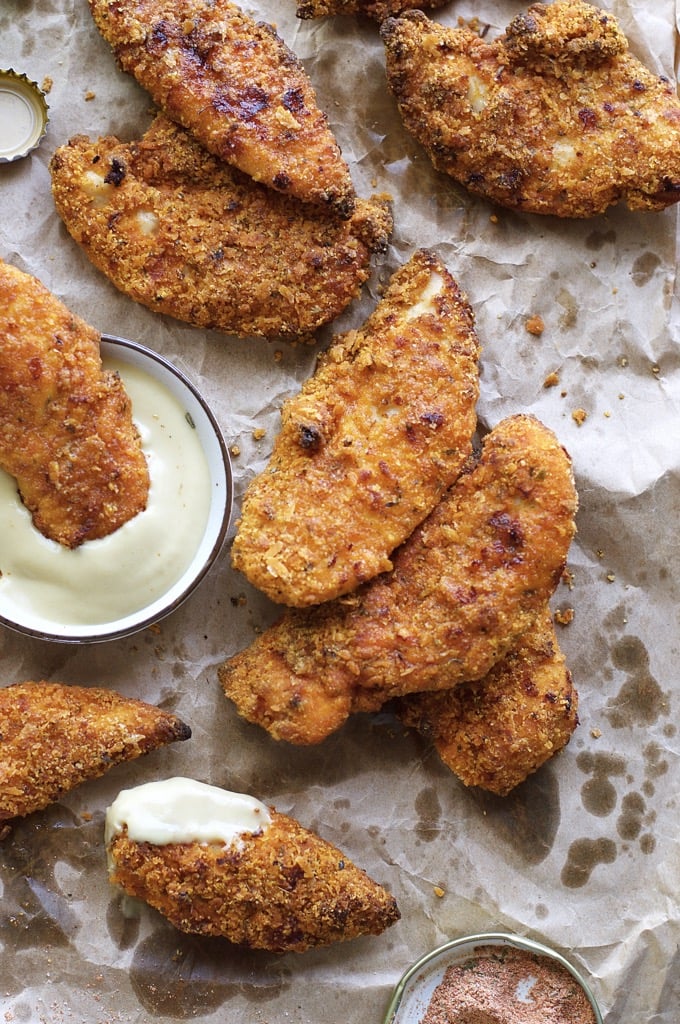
(135, 622)
(470, 942)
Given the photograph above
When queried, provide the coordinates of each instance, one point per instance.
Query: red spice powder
(505, 985)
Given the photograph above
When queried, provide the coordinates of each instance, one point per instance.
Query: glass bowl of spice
(493, 978)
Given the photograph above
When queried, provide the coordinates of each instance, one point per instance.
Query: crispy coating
(236, 86)
(497, 731)
(283, 889)
(66, 429)
(378, 10)
(368, 446)
(185, 234)
(554, 117)
(54, 737)
(466, 585)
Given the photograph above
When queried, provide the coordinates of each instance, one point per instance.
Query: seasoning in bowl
(492, 978)
(506, 985)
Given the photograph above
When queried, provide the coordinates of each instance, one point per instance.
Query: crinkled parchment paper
(584, 856)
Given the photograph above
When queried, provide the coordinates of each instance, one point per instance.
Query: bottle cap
(23, 115)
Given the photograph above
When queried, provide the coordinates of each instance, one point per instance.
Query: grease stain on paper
(528, 818)
(583, 856)
(180, 976)
(640, 700)
(644, 268)
(598, 794)
(429, 811)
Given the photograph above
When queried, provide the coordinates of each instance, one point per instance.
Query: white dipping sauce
(47, 585)
(180, 810)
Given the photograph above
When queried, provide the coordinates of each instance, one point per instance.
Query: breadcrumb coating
(66, 430)
(184, 234)
(495, 732)
(378, 10)
(466, 585)
(283, 889)
(556, 116)
(368, 446)
(236, 86)
(54, 737)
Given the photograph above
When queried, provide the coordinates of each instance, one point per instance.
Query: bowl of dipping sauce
(493, 978)
(117, 585)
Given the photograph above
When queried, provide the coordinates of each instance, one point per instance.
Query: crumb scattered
(596, 733)
(89, 95)
(47, 83)
(610, 577)
(656, 370)
(606, 414)
(535, 325)
(259, 433)
(494, 218)
(551, 381)
(623, 361)
(235, 450)
(564, 616)
(568, 579)
(579, 416)
(439, 892)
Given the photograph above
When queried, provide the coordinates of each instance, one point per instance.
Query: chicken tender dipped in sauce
(66, 429)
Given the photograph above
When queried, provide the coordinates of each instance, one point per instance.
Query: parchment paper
(583, 856)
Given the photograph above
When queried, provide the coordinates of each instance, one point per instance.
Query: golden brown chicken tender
(378, 10)
(185, 234)
(66, 430)
(368, 446)
(495, 732)
(53, 737)
(282, 888)
(236, 86)
(556, 116)
(465, 587)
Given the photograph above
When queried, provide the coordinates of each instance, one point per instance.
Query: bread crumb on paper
(564, 616)
(579, 416)
(535, 325)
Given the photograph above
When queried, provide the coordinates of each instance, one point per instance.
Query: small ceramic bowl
(413, 993)
(116, 586)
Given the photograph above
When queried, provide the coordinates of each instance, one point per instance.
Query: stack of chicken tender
(235, 211)
(416, 569)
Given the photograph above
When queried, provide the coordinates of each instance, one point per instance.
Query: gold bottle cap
(23, 115)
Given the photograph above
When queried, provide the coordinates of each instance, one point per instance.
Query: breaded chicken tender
(53, 737)
(497, 731)
(186, 235)
(279, 887)
(66, 430)
(378, 10)
(556, 116)
(466, 585)
(368, 446)
(236, 86)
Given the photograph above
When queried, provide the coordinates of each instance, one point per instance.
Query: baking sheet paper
(583, 856)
